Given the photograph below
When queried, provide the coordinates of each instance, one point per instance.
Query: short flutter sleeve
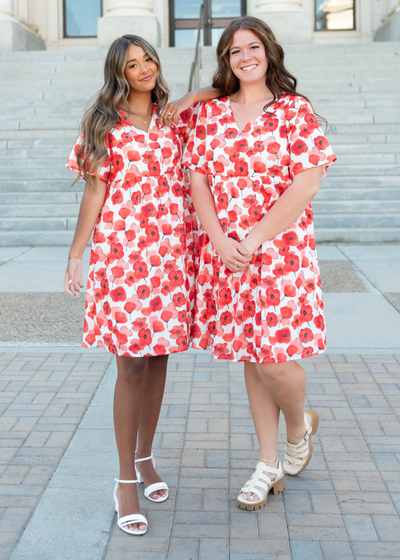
(103, 172)
(194, 157)
(186, 122)
(308, 146)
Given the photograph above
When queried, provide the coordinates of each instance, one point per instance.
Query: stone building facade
(91, 24)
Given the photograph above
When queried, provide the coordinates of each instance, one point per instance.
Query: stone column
(14, 34)
(128, 16)
(292, 22)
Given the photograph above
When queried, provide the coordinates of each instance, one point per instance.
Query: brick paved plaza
(344, 506)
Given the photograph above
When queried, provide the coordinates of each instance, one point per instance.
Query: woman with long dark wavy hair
(257, 156)
(140, 289)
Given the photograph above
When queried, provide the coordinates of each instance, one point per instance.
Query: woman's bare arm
(286, 210)
(91, 205)
(171, 111)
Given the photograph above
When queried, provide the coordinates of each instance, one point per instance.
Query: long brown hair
(278, 79)
(103, 114)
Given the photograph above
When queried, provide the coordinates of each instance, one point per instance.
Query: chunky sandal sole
(314, 423)
(276, 487)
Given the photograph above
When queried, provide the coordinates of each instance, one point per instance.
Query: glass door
(184, 19)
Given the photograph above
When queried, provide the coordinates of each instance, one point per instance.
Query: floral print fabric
(273, 311)
(140, 288)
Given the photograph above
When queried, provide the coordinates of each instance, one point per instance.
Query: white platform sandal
(126, 520)
(259, 479)
(297, 456)
(153, 487)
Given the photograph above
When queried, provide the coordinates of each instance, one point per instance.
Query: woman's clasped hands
(235, 256)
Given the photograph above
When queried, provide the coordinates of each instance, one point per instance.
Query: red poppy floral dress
(273, 311)
(140, 288)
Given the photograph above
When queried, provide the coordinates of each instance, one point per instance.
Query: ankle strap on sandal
(144, 459)
(125, 481)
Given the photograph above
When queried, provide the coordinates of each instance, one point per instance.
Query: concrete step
(359, 235)
(39, 198)
(365, 150)
(44, 210)
(27, 164)
(356, 181)
(41, 185)
(26, 174)
(36, 135)
(25, 157)
(384, 194)
(365, 170)
(355, 220)
(36, 224)
(362, 139)
(356, 206)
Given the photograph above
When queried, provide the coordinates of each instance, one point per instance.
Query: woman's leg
(152, 396)
(265, 413)
(127, 406)
(286, 382)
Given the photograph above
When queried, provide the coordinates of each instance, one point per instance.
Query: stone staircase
(356, 87)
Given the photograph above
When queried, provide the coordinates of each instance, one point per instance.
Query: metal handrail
(194, 79)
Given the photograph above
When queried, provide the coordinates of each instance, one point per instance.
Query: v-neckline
(128, 122)
(241, 130)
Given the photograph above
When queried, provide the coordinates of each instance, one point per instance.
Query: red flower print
(241, 168)
(117, 197)
(286, 312)
(224, 297)
(292, 263)
(307, 352)
(319, 322)
(306, 335)
(299, 147)
(156, 304)
(283, 336)
(143, 292)
(290, 238)
(118, 294)
(306, 313)
(273, 297)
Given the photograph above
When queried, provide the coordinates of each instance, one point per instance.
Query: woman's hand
(73, 277)
(250, 245)
(171, 111)
(234, 256)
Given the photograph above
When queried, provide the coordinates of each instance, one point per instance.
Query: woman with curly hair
(256, 159)
(140, 289)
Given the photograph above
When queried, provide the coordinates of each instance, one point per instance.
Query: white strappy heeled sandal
(297, 456)
(259, 479)
(126, 520)
(153, 487)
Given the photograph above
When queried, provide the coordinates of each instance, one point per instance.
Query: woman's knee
(131, 369)
(274, 372)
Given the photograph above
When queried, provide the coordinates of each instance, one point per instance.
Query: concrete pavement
(345, 505)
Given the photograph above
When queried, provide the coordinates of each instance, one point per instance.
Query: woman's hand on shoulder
(171, 111)
(73, 277)
(233, 254)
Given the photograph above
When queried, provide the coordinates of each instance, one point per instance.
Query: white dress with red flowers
(273, 311)
(140, 288)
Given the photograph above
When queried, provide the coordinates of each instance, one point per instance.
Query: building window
(80, 17)
(184, 20)
(334, 15)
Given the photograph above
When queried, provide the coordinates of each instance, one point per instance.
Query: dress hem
(290, 359)
(131, 355)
